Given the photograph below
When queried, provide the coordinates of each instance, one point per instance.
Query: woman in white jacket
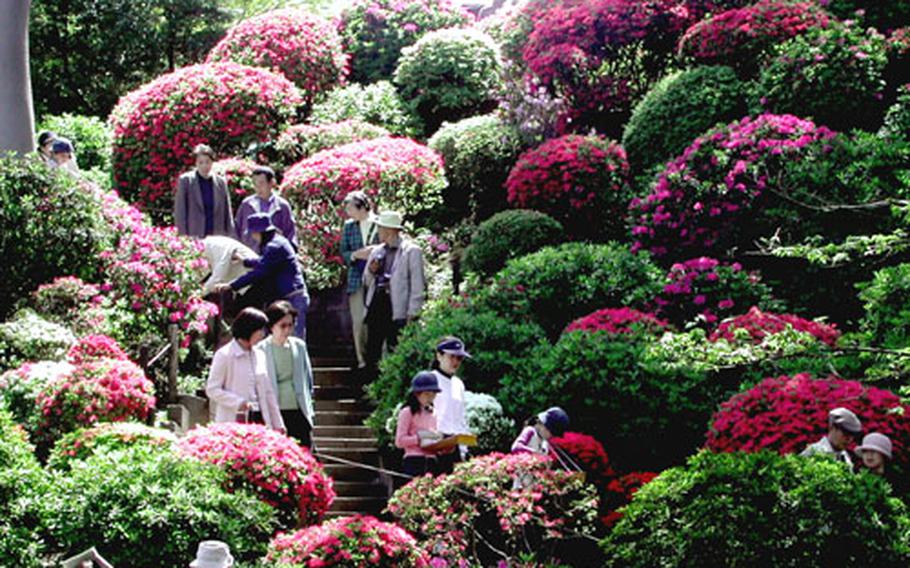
(449, 406)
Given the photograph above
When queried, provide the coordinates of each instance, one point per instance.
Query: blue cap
(424, 381)
(62, 145)
(555, 419)
(453, 346)
(259, 223)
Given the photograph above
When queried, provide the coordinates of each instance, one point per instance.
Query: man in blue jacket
(276, 268)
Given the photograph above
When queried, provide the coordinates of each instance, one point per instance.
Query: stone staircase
(339, 432)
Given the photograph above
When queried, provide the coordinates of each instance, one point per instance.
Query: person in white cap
(875, 451)
(212, 554)
(843, 428)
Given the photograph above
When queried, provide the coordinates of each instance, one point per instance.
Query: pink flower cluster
(238, 173)
(225, 105)
(760, 324)
(348, 541)
(899, 43)
(81, 444)
(283, 474)
(618, 320)
(703, 198)
(93, 348)
(303, 47)
(69, 299)
(740, 36)
(785, 414)
(582, 181)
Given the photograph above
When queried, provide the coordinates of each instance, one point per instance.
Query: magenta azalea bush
(301, 141)
(238, 173)
(19, 389)
(619, 320)
(718, 194)
(760, 324)
(93, 348)
(225, 105)
(273, 466)
(357, 540)
(301, 46)
(398, 173)
(82, 444)
(581, 181)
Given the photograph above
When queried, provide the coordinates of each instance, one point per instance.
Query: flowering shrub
(618, 320)
(710, 290)
(90, 135)
(106, 437)
(581, 181)
(375, 31)
(378, 103)
(897, 73)
(238, 173)
(225, 105)
(303, 47)
(29, 337)
(271, 465)
(701, 199)
(834, 75)
(885, 16)
(22, 485)
(19, 389)
(620, 492)
(759, 324)
(449, 75)
(527, 105)
(397, 173)
(301, 141)
(548, 508)
(486, 419)
(93, 348)
(347, 541)
(509, 234)
(897, 121)
(64, 298)
(587, 453)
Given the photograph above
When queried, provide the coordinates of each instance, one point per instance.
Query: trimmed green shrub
(678, 109)
(885, 16)
(301, 141)
(29, 337)
(21, 486)
(91, 138)
(887, 307)
(106, 437)
(897, 120)
(507, 235)
(760, 510)
(378, 103)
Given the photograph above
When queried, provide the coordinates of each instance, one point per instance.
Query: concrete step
(340, 418)
(359, 489)
(318, 359)
(340, 472)
(336, 392)
(343, 404)
(365, 505)
(330, 376)
(362, 444)
(321, 430)
(369, 457)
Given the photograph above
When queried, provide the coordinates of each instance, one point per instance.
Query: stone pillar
(17, 122)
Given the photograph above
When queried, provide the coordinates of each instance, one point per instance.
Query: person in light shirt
(449, 406)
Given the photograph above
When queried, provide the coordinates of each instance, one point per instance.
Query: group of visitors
(844, 428)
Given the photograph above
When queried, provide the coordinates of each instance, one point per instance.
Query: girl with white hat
(875, 451)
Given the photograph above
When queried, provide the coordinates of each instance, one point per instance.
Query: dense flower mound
(619, 320)
(81, 444)
(620, 492)
(93, 348)
(303, 47)
(703, 198)
(375, 31)
(225, 105)
(785, 414)
(398, 173)
(588, 453)
(238, 174)
(899, 43)
(340, 541)
(581, 181)
(377, 103)
(105, 390)
(740, 37)
(64, 297)
(19, 389)
(760, 324)
(277, 469)
(710, 290)
(29, 337)
(301, 141)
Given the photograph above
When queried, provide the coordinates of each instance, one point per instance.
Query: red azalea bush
(277, 469)
(339, 541)
(588, 453)
(301, 46)
(718, 193)
(238, 173)
(581, 181)
(760, 324)
(93, 348)
(226, 105)
(740, 37)
(398, 173)
(786, 414)
(710, 290)
(81, 444)
(620, 320)
(71, 302)
(620, 492)
(301, 141)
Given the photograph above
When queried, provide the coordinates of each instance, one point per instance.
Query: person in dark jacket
(202, 206)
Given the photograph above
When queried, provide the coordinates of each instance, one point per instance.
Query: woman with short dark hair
(358, 238)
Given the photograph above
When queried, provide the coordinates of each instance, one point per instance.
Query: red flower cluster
(238, 173)
(588, 453)
(620, 492)
(760, 324)
(620, 320)
(283, 474)
(225, 105)
(348, 541)
(304, 48)
(582, 181)
(93, 348)
(785, 414)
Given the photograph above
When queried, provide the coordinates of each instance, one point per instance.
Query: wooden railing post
(173, 362)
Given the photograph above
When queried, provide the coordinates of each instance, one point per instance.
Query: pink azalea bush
(357, 540)
(93, 348)
(301, 141)
(70, 301)
(81, 444)
(618, 321)
(277, 469)
(19, 389)
(718, 193)
(238, 173)
(225, 105)
(760, 324)
(581, 181)
(398, 173)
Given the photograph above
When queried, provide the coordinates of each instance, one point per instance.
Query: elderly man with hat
(843, 428)
(395, 286)
(276, 267)
(358, 239)
(265, 200)
(213, 554)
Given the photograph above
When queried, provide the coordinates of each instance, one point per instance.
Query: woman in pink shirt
(416, 424)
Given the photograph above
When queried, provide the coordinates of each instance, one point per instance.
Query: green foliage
(678, 109)
(885, 16)
(378, 103)
(29, 337)
(301, 141)
(144, 507)
(91, 138)
(507, 235)
(106, 437)
(478, 153)
(21, 487)
(897, 120)
(887, 306)
(485, 417)
(760, 510)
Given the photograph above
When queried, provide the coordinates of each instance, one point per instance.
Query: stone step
(359, 489)
(321, 430)
(340, 418)
(365, 505)
(319, 359)
(341, 472)
(336, 392)
(362, 444)
(345, 404)
(369, 457)
(331, 376)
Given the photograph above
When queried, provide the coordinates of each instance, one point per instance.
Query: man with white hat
(395, 286)
(212, 554)
(843, 428)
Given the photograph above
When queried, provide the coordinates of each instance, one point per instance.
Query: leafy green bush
(106, 437)
(887, 306)
(678, 109)
(378, 103)
(21, 486)
(301, 141)
(760, 510)
(19, 390)
(883, 15)
(486, 419)
(507, 235)
(449, 75)
(29, 337)
(91, 138)
(897, 120)
(478, 153)
(145, 507)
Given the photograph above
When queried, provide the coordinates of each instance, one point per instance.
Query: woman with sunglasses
(449, 406)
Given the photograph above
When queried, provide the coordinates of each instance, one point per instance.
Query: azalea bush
(587, 453)
(581, 181)
(106, 437)
(95, 347)
(91, 138)
(377, 103)
(897, 73)
(885, 17)
(301, 46)
(225, 105)
(620, 492)
(897, 120)
(375, 31)
(397, 173)
(347, 541)
(238, 173)
(509, 234)
(886, 302)
(19, 389)
(22, 483)
(270, 465)
(487, 420)
(760, 509)
(758, 325)
(29, 337)
(301, 141)
(65, 300)
(618, 320)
